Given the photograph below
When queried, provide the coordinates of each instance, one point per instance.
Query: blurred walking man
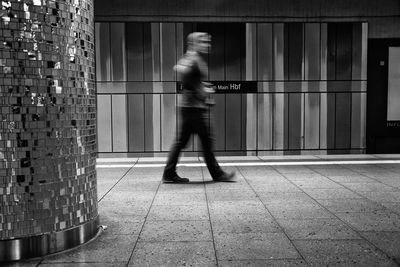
(191, 69)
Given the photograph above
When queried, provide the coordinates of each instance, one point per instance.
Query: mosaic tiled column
(48, 195)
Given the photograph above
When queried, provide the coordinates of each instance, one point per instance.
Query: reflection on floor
(300, 214)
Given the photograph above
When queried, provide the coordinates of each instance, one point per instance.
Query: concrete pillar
(48, 188)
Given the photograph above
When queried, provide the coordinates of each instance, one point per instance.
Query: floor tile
(336, 193)
(289, 211)
(263, 263)
(123, 208)
(382, 196)
(187, 212)
(351, 205)
(122, 225)
(317, 229)
(372, 221)
(173, 254)
(286, 198)
(362, 187)
(389, 242)
(341, 253)
(234, 246)
(231, 195)
(180, 199)
(237, 207)
(351, 179)
(161, 231)
(244, 223)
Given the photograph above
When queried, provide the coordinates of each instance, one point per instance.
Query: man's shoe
(175, 179)
(226, 177)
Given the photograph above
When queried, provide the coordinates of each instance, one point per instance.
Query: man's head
(199, 42)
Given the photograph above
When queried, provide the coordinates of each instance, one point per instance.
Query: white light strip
(264, 163)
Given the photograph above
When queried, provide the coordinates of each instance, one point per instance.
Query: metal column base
(41, 245)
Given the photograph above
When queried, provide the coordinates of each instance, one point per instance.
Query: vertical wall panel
(168, 120)
(243, 110)
(344, 51)
(149, 127)
(279, 120)
(343, 121)
(323, 87)
(168, 51)
(264, 51)
(356, 121)
(331, 51)
(156, 122)
(312, 72)
(265, 120)
(356, 86)
(312, 51)
(218, 114)
(118, 52)
(134, 51)
(136, 123)
(103, 56)
(119, 123)
(104, 123)
(148, 60)
(251, 75)
(217, 56)
(294, 113)
(295, 50)
(155, 52)
(233, 121)
(234, 43)
(331, 121)
(312, 121)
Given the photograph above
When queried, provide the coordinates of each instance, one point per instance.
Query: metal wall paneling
(233, 122)
(323, 101)
(343, 121)
(216, 62)
(219, 118)
(149, 128)
(279, 99)
(168, 51)
(136, 123)
(234, 50)
(119, 123)
(118, 51)
(251, 75)
(103, 56)
(168, 120)
(147, 52)
(135, 51)
(344, 36)
(104, 132)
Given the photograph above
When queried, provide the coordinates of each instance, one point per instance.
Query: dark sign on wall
(229, 87)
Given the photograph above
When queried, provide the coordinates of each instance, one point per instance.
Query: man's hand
(208, 88)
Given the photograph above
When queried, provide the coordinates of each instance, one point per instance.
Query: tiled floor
(274, 215)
